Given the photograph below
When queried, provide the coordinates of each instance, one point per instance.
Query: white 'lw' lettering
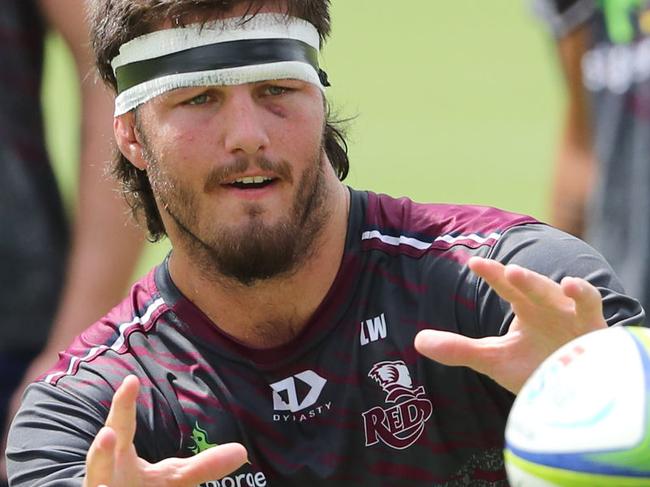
(373, 329)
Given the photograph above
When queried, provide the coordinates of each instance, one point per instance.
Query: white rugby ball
(583, 417)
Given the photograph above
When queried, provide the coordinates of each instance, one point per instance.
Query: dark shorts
(12, 368)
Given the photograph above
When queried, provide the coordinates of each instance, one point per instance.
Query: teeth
(252, 180)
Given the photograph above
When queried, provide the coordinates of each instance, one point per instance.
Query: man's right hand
(113, 462)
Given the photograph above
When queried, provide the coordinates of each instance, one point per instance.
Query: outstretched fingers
(494, 273)
(587, 299)
(547, 315)
(519, 286)
(115, 438)
(217, 462)
(100, 460)
(454, 349)
(211, 464)
(539, 290)
(122, 415)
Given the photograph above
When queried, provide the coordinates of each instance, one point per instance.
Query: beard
(254, 251)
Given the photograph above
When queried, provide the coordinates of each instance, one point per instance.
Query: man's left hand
(547, 315)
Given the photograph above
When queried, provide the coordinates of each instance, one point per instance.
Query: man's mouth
(251, 182)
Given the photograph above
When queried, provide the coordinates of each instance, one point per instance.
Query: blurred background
(452, 102)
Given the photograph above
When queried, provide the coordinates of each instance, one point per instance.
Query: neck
(273, 311)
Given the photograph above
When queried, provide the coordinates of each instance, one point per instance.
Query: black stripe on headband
(223, 55)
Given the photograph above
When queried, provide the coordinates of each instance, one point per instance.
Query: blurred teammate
(53, 282)
(282, 327)
(603, 169)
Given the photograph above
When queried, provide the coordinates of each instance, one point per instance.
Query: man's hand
(547, 315)
(113, 462)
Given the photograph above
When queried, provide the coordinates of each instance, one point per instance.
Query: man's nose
(244, 127)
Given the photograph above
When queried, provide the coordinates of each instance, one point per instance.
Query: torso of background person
(33, 232)
(348, 402)
(616, 76)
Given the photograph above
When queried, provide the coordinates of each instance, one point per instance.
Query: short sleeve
(555, 254)
(50, 437)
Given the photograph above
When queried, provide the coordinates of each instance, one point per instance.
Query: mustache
(219, 175)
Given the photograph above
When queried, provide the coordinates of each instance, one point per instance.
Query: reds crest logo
(401, 425)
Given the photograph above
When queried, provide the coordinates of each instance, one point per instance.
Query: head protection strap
(224, 52)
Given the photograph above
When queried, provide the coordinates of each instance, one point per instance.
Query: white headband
(223, 52)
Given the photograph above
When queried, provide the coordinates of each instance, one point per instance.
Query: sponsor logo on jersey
(372, 330)
(200, 439)
(256, 479)
(402, 423)
(248, 479)
(295, 398)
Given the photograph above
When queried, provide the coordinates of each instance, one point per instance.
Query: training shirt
(616, 78)
(348, 402)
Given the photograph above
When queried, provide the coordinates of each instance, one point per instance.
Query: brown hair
(114, 22)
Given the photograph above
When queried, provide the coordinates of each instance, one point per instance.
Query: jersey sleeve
(563, 16)
(50, 437)
(555, 254)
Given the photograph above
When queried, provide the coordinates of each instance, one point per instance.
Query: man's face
(238, 173)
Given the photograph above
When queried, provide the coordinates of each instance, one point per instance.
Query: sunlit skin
(200, 130)
(239, 230)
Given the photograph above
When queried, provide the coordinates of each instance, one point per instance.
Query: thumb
(213, 463)
(100, 460)
(456, 350)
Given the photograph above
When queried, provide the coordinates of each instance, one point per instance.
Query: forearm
(105, 244)
(575, 168)
(103, 255)
(573, 178)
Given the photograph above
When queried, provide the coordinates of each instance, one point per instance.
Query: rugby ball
(583, 417)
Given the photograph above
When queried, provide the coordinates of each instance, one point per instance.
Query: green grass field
(453, 102)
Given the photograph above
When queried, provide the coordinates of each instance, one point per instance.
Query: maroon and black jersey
(349, 402)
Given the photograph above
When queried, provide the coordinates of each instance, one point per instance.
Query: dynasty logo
(400, 425)
(294, 397)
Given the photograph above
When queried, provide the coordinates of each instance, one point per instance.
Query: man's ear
(128, 140)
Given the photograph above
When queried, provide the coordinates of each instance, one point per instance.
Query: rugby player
(300, 332)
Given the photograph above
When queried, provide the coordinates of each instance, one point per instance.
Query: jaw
(257, 241)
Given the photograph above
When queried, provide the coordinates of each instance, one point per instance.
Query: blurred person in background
(55, 279)
(602, 174)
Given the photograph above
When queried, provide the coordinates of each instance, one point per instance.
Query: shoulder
(105, 344)
(431, 226)
(556, 254)
(549, 251)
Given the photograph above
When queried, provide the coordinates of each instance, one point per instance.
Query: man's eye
(198, 99)
(274, 90)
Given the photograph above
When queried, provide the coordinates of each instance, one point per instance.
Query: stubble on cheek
(247, 249)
